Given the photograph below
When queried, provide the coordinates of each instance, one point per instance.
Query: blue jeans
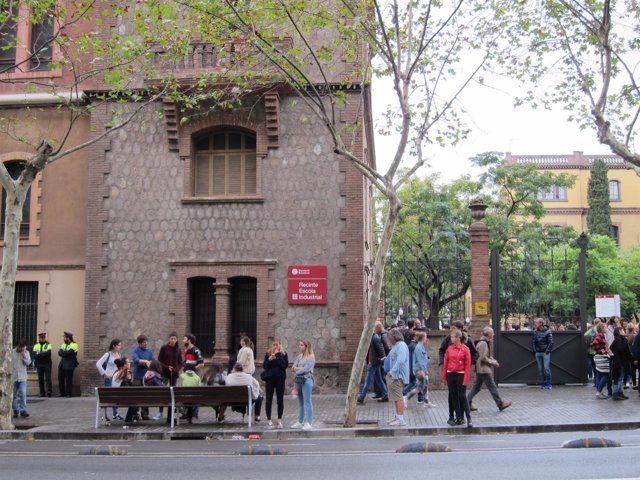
(544, 368)
(304, 399)
(19, 397)
(114, 410)
(601, 380)
(374, 373)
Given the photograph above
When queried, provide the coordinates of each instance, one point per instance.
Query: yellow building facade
(569, 206)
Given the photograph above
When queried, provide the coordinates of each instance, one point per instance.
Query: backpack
(473, 350)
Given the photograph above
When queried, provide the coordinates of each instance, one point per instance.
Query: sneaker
(279, 425)
(307, 426)
(504, 405)
(429, 404)
(296, 425)
(469, 424)
(360, 401)
(420, 401)
(383, 399)
(157, 416)
(117, 417)
(396, 422)
(473, 408)
(460, 421)
(24, 414)
(451, 421)
(270, 425)
(406, 401)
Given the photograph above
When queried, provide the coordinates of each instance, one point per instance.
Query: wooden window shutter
(235, 174)
(250, 173)
(202, 175)
(219, 175)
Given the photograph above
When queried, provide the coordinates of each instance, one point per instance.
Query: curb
(318, 433)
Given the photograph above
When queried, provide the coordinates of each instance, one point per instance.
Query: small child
(421, 371)
(189, 378)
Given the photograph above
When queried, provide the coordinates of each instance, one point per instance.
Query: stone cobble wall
(148, 226)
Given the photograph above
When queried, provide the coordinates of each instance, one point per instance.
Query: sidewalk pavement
(565, 408)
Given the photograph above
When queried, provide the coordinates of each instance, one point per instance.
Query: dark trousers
(44, 380)
(144, 411)
(274, 384)
(65, 382)
(458, 395)
(488, 380)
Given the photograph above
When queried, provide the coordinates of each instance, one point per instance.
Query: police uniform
(68, 362)
(42, 359)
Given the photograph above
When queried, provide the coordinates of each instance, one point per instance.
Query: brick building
(192, 226)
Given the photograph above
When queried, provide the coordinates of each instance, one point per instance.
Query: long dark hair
(114, 343)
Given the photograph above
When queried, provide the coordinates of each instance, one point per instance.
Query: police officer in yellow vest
(68, 362)
(42, 359)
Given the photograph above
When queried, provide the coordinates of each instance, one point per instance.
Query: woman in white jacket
(106, 367)
(245, 356)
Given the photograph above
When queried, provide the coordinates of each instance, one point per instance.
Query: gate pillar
(480, 272)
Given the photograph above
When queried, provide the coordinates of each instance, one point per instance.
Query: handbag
(263, 375)
(295, 391)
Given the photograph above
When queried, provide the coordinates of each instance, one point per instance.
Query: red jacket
(457, 359)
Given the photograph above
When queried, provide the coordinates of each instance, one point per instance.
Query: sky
(499, 126)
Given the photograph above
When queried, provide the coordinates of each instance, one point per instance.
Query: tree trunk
(373, 310)
(13, 210)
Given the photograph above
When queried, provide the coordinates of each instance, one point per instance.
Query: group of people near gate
(398, 367)
(42, 351)
(184, 365)
(613, 353)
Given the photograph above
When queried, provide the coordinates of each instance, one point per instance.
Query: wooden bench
(172, 397)
(215, 396)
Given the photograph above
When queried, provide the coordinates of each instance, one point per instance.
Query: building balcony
(210, 59)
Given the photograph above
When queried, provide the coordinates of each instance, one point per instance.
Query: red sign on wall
(307, 284)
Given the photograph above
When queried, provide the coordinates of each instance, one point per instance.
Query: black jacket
(376, 350)
(276, 368)
(542, 340)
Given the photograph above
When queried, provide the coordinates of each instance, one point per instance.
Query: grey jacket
(21, 360)
(485, 362)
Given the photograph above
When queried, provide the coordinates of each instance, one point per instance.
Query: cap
(68, 334)
(42, 334)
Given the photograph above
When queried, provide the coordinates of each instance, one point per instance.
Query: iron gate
(540, 286)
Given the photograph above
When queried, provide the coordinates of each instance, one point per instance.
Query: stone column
(223, 323)
(480, 272)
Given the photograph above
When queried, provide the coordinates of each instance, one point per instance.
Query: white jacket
(21, 360)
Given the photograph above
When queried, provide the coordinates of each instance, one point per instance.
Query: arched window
(243, 308)
(224, 164)
(203, 312)
(14, 169)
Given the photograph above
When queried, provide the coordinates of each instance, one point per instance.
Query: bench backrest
(134, 396)
(212, 396)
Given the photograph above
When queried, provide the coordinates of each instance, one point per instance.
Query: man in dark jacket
(375, 359)
(542, 344)
(68, 362)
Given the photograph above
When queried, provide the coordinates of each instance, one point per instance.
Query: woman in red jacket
(456, 371)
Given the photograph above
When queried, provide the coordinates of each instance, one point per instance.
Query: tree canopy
(599, 214)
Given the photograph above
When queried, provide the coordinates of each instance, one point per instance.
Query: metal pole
(583, 242)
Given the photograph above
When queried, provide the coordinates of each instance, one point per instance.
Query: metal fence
(435, 293)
